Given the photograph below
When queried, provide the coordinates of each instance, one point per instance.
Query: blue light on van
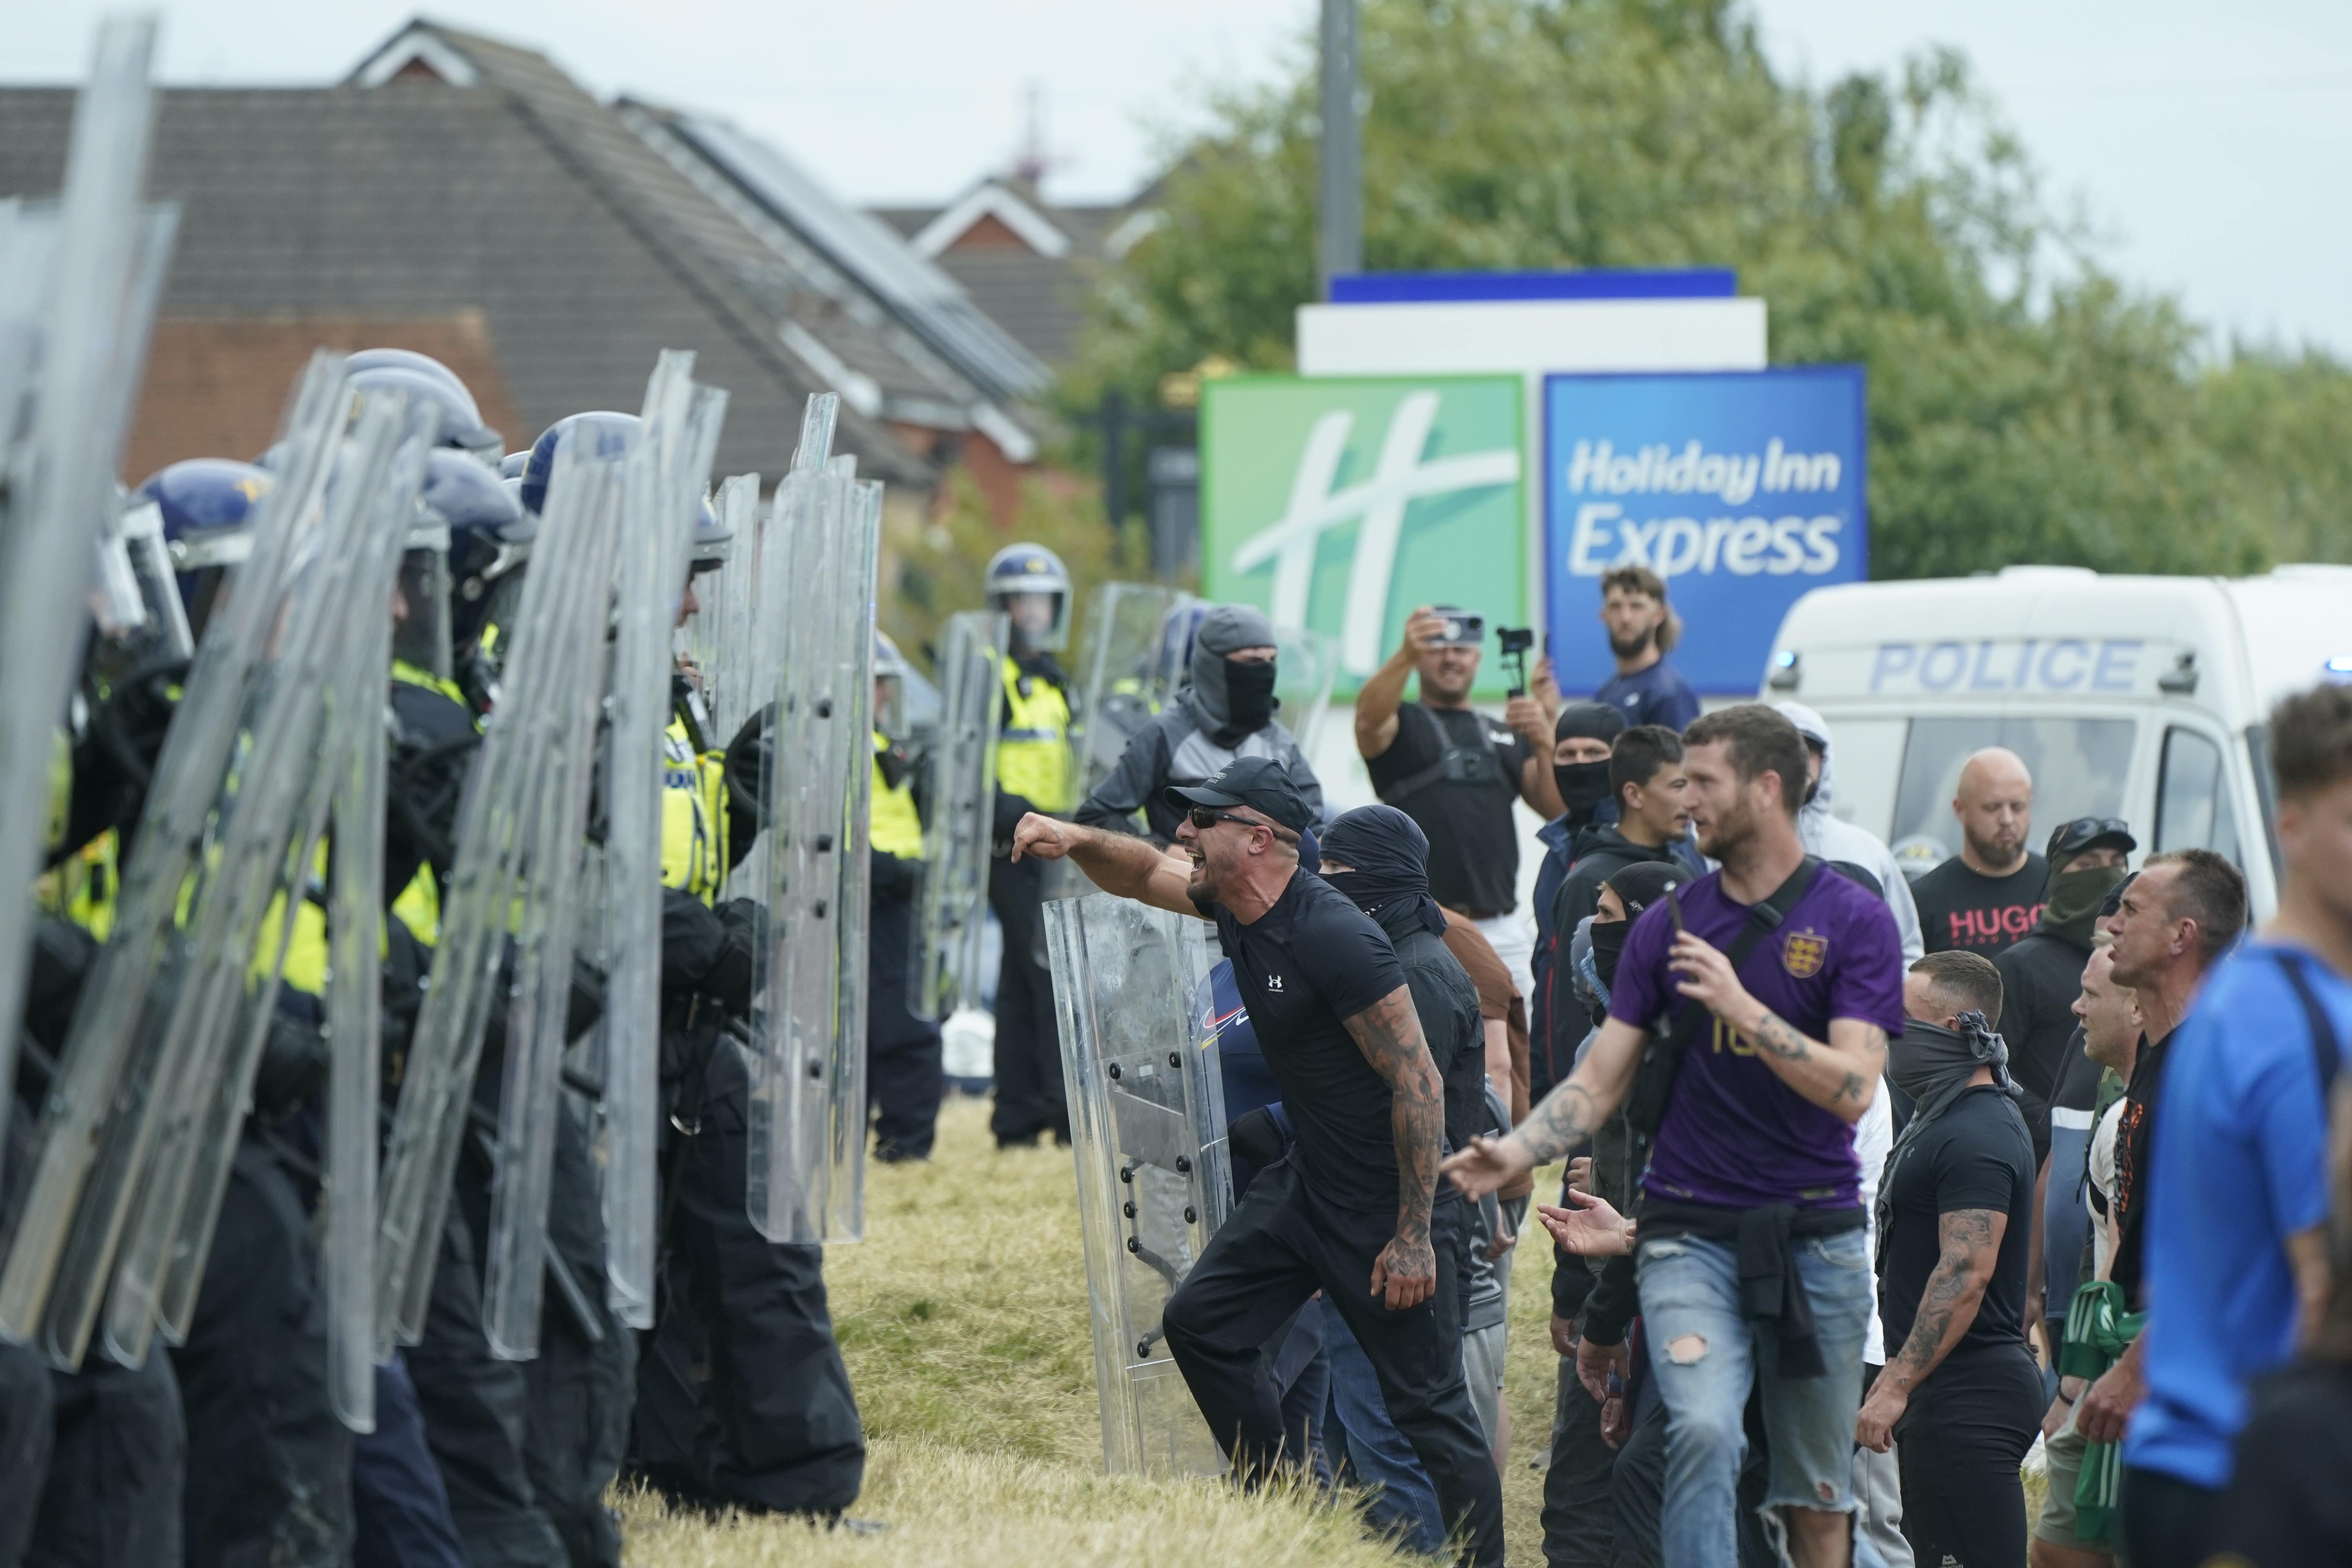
(2340, 667)
(1785, 674)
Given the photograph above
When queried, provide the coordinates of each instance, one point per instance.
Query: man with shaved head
(1992, 893)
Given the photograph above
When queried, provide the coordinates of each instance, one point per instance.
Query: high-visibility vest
(894, 826)
(694, 815)
(82, 887)
(1033, 755)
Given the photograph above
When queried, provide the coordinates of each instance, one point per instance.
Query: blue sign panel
(1743, 490)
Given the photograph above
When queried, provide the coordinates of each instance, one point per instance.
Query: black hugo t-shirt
(1465, 811)
(1960, 907)
(1974, 1156)
(1303, 967)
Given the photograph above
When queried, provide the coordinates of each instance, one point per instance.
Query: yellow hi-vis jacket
(694, 815)
(895, 827)
(1033, 755)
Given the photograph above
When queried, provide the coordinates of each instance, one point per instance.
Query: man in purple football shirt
(1752, 1267)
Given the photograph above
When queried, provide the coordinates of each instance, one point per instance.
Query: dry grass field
(963, 1319)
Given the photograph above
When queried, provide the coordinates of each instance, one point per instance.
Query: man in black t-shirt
(1961, 1392)
(1353, 1211)
(1991, 895)
(1456, 771)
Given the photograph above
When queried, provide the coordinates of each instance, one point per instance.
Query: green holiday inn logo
(1338, 503)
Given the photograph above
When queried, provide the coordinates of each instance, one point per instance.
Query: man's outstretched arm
(1128, 867)
(1388, 1033)
(1567, 1117)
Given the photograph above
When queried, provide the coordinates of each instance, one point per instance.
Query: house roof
(517, 198)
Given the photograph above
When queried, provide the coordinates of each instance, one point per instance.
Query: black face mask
(1582, 785)
(1607, 947)
(1249, 697)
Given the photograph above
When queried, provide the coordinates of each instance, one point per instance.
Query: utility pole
(1340, 190)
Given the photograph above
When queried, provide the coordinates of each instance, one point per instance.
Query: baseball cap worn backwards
(1260, 784)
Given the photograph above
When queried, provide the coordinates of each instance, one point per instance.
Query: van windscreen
(2079, 768)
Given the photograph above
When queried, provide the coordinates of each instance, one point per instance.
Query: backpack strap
(1450, 763)
(1662, 1057)
(2327, 1049)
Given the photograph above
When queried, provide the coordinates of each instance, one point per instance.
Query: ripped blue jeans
(1706, 1356)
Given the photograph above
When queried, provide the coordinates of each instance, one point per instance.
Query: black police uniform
(903, 1067)
(1033, 774)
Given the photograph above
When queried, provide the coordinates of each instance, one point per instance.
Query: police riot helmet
(209, 506)
(889, 685)
(489, 538)
(1019, 569)
(608, 429)
(459, 424)
(712, 537)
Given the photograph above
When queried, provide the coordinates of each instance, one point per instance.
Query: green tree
(2024, 403)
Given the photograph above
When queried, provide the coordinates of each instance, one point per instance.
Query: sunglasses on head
(2082, 829)
(1204, 817)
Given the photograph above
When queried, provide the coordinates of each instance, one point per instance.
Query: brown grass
(962, 1317)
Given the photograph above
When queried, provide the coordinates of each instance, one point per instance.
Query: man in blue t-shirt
(1752, 1175)
(1642, 629)
(2236, 1249)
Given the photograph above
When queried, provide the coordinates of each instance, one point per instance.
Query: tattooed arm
(1118, 863)
(1970, 1244)
(1567, 1117)
(1839, 1077)
(1388, 1033)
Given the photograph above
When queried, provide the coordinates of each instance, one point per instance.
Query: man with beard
(1456, 771)
(1227, 712)
(1642, 629)
(1354, 1210)
(1753, 1265)
(1990, 895)
(2042, 973)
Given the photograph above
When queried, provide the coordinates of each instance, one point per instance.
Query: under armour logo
(1401, 477)
(1274, 982)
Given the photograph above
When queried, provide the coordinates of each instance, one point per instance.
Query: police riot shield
(680, 432)
(719, 638)
(511, 879)
(1148, 1123)
(79, 282)
(961, 769)
(807, 1114)
(1137, 642)
(1306, 665)
(324, 683)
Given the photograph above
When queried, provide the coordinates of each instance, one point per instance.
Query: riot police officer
(903, 1065)
(1034, 772)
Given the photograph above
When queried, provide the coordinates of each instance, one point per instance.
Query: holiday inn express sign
(1337, 503)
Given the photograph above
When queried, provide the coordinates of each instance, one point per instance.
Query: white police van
(2143, 698)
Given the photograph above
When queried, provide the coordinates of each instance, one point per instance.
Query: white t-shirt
(2103, 1189)
(1874, 1139)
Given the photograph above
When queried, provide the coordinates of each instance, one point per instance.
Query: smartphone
(1675, 909)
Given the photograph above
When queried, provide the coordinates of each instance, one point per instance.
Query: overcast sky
(2211, 144)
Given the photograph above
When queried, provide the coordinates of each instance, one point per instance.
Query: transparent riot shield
(718, 641)
(320, 685)
(1306, 665)
(807, 1122)
(666, 478)
(962, 767)
(354, 1069)
(79, 282)
(1133, 661)
(502, 888)
(100, 1124)
(1148, 1123)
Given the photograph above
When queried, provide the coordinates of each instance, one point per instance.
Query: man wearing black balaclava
(1645, 773)
(2042, 973)
(1227, 712)
(1581, 737)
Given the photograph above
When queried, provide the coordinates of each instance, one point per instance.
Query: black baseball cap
(2069, 839)
(1259, 782)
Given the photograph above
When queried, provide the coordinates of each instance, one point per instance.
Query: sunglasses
(1204, 817)
(2082, 829)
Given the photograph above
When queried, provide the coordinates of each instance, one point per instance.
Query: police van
(2142, 698)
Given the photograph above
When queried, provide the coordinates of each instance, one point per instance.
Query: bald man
(1990, 895)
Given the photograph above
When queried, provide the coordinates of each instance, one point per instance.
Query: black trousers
(118, 1470)
(269, 1467)
(741, 1394)
(903, 1070)
(1280, 1247)
(28, 1431)
(1958, 1446)
(398, 1502)
(1579, 1515)
(2167, 1522)
(1028, 1041)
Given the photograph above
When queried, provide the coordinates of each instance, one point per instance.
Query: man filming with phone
(1747, 1030)
(1455, 771)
